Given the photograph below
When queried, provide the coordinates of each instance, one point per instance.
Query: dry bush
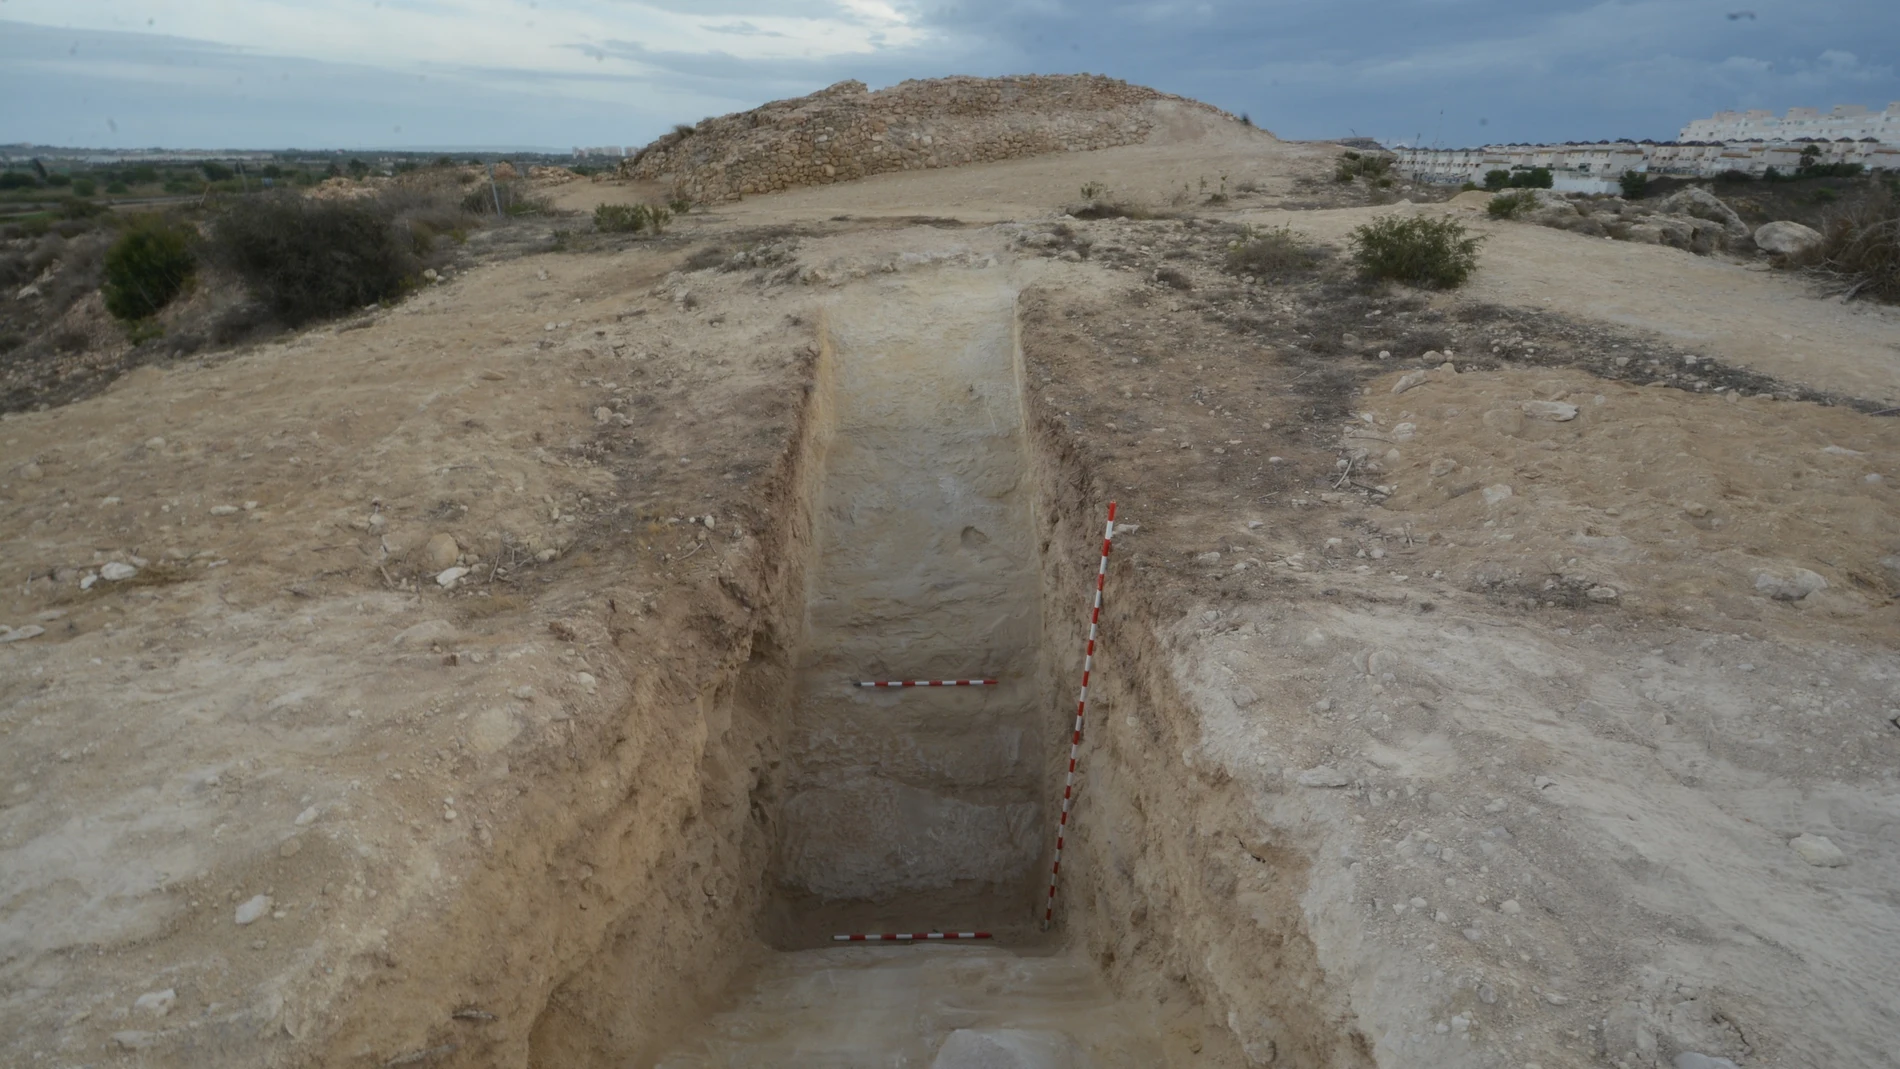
(1511, 205)
(308, 259)
(1862, 246)
(1270, 254)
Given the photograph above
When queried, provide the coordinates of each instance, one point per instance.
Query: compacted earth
(1503, 677)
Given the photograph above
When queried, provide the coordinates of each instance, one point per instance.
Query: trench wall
(1171, 879)
(626, 886)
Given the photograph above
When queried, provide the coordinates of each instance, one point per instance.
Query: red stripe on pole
(1081, 706)
(894, 937)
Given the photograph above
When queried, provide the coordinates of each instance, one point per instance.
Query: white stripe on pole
(1081, 705)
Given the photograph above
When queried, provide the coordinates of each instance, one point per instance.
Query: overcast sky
(560, 73)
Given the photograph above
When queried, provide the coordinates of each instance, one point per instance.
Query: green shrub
(117, 187)
(1094, 191)
(620, 218)
(147, 267)
(215, 171)
(517, 198)
(1511, 205)
(59, 181)
(1532, 178)
(1733, 176)
(84, 187)
(17, 180)
(1358, 165)
(306, 259)
(1418, 251)
(1495, 180)
(1269, 254)
(1634, 184)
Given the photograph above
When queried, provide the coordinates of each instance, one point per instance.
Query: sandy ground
(1534, 725)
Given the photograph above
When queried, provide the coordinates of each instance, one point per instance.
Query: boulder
(1784, 238)
(1699, 203)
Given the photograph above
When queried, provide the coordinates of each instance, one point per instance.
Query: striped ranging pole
(1081, 705)
(926, 683)
(898, 937)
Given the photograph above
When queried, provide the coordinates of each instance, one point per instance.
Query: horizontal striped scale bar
(898, 937)
(926, 683)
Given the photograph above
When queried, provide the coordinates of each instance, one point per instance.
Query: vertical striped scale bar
(1081, 705)
(898, 937)
(925, 683)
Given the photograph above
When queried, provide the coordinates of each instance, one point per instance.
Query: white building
(1586, 167)
(1851, 121)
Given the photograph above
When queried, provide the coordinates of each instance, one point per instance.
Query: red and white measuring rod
(926, 683)
(1081, 704)
(898, 937)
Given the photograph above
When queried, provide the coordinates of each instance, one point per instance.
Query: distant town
(1850, 138)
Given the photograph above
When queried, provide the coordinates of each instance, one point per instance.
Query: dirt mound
(847, 132)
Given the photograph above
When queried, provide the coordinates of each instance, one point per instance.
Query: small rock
(252, 909)
(1497, 494)
(1555, 999)
(427, 633)
(17, 634)
(133, 1040)
(1788, 586)
(1323, 776)
(1554, 411)
(1444, 466)
(308, 817)
(586, 681)
(116, 571)
(1411, 379)
(1601, 593)
(441, 550)
(429, 274)
(1509, 906)
(1473, 934)
(156, 1003)
(1818, 850)
(1211, 557)
(224, 510)
(1690, 1059)
(450, 576)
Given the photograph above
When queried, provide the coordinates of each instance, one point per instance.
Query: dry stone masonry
(847, 132)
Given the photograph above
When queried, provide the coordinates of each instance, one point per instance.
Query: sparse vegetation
(1634, 185)
(1094, 191)
(1511, 205)
(631, 218)
(1269, 254)
(148, 266)
(1419, 251)
(309, 259)
(1862, 245)
(516, 198)
(1375, 168)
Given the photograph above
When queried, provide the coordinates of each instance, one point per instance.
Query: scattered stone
(1210, 557)
(1244, 697)
(1818, 850)
(134, 1040)
(1601, 593)
(1411, 379)
(252, 909)
(308, 817)
(224, 510)
(1473, 934)
(441, 551)
(1444, 466)
(586, 681)
(1788, 586)
(156, 1003)
(1785, 238)
(1323, 776)
(1498, 494)
(1554, 411)
(1510, 907)
(448, 577)
(429, 274)
(427, 633)
(291, 848)
(18, 634)
(116, 571)
(1690, 1059)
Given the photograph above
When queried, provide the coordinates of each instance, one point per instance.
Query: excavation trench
(946, 535)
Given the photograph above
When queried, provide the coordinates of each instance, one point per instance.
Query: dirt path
(1769, 322)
